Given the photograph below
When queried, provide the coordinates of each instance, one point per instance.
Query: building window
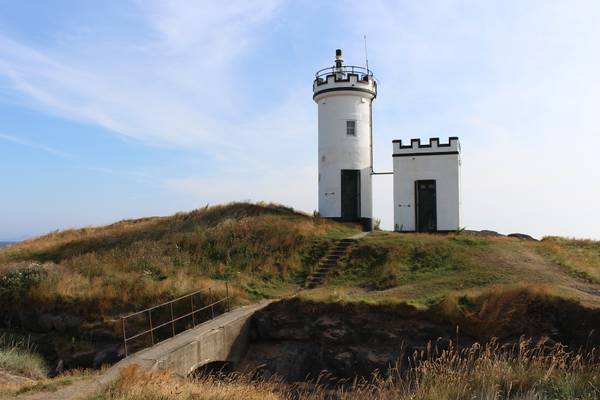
(351, 128)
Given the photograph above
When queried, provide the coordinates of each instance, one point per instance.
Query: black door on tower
(350, 193)
(426, 212)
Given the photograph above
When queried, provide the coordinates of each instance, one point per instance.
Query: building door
(350, 193)
(426, 212)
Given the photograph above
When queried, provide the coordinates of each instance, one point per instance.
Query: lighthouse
(344, 95)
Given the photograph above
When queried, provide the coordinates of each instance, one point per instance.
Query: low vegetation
(524, 372)
(424, 269)
(580, 258)
(266, 250)
(19, 358)
(98, 273)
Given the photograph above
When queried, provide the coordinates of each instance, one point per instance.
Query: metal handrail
(172, 321)
(344, 69)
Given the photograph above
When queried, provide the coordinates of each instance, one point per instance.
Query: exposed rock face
(296, 339)
(65, 344)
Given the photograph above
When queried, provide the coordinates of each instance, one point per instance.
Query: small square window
(351, 128)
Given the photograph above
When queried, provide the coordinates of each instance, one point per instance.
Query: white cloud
(171, 87)
(34, 145)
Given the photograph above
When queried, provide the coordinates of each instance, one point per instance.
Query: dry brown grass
(526, 371)
(580, 258)
(99, 273)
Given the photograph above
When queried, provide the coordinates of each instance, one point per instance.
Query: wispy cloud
(173, 86)
(34, 145)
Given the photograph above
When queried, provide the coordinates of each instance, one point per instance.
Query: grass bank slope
(423, 269)
(266, 250)
(100, 272)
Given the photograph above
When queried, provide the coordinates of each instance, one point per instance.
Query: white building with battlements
(426, 176)
(426, 185)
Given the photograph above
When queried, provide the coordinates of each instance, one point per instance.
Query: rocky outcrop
(64, 341)
(297, 339)
(522, 236)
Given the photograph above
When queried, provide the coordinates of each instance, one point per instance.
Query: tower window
(351, 128)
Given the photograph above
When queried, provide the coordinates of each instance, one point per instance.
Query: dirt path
(77, 390)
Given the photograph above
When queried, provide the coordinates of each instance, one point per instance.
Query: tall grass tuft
(526, 371)
(18, 358)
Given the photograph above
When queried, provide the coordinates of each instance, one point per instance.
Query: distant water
(3, 244)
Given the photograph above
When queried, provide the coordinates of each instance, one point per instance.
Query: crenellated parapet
(434, 147)
(337, 80)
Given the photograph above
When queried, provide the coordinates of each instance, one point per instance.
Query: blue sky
(118, 109)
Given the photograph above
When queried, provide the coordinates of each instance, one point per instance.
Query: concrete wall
(432, 161)
(224, 343)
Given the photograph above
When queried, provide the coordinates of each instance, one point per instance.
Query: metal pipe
(193, 316)
(124, 335)
(371, 144)
(212, 309)
(151, 328)
(227, 296)
(172, 320)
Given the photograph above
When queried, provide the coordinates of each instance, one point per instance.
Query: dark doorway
(426, 212)
(350, 193)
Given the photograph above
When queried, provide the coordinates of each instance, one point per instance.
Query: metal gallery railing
(344, 69)
(192, 314)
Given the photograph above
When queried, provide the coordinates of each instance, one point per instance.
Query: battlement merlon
(434, 147)
(347, 78)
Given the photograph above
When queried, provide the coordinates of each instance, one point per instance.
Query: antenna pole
(366, 54)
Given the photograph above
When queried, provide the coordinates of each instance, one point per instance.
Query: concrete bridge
(223, 339)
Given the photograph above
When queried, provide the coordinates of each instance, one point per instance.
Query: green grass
(423, 269)
(579, 258)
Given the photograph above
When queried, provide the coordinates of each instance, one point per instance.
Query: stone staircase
(328, 262)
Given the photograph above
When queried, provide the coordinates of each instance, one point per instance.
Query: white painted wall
(410, 165)
(337, 150)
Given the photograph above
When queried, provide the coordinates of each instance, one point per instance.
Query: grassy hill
(485, 284)
(100, 272)
(267, 250)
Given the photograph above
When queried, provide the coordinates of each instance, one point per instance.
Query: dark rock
(82, 359)
(59, 369)
(46, 322)
(104, 335)
(522, 236)
(66, 323)
(107, 356)
(486, 232)
(30, 321)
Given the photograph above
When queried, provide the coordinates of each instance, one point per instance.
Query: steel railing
(194, 311)
(344, 69)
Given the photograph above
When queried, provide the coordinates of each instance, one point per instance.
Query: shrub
(17, 281)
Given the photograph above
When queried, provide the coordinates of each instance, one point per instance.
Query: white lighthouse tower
(345, 95)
